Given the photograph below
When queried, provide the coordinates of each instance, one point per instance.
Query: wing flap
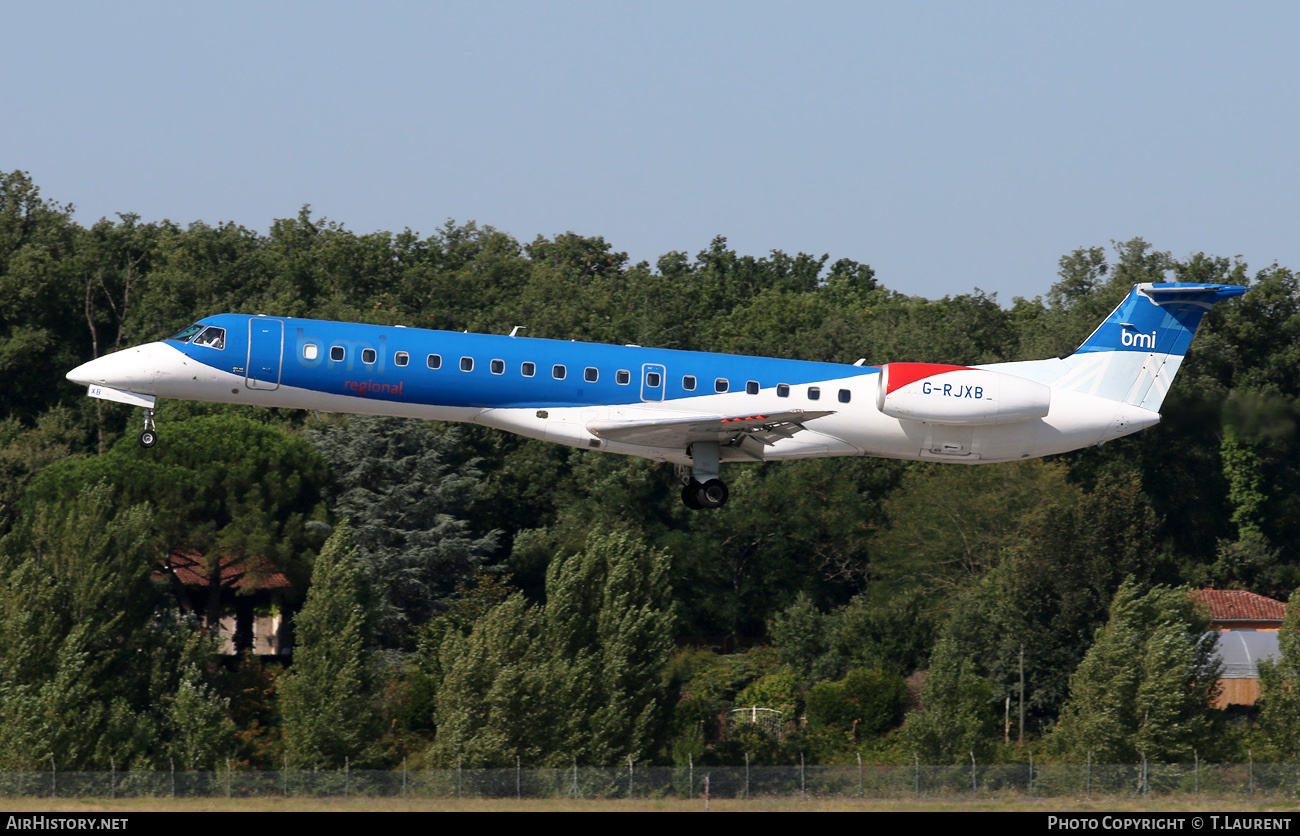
(679, 433)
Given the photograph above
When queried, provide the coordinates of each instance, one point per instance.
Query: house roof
(1239, 605)
(188, 567)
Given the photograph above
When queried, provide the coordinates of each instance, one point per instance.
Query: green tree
(862, 633)
(401, 486)
(24, 451)
(957, 716)
(951, 525)
(1277, 732)
(92, 668)
(609, 615)
(328, 697)
(1051, 591)
(581, 677)
(863, 703)
(42, 328)
(196, 722)
(498, 699)
(224, 486)
(1145, 686)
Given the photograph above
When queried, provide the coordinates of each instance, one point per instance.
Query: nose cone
(134, 369)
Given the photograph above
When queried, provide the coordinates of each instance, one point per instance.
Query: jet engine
(941, 394)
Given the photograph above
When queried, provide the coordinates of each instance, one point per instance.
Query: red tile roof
(236, 572)
(1239, 605)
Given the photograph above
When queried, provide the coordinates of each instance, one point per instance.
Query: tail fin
(1134, 354)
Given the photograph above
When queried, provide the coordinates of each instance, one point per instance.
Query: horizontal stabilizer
(679, 433)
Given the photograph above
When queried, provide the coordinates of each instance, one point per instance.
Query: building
(247, 603)
(1248, 626)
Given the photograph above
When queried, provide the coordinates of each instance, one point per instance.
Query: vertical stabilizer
(1134, 354)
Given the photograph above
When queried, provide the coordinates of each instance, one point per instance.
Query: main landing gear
(698, 496)
(148, 436)
(701, 487)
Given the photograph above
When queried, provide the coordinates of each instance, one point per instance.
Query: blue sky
(949, 145)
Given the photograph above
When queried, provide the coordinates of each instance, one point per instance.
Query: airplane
(693, 409)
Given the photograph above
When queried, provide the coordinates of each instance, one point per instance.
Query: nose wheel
(148, 436)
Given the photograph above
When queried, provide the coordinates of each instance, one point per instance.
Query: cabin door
(265, 350)
(652, 382)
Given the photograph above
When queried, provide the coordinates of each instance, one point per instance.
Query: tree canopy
(470, 542)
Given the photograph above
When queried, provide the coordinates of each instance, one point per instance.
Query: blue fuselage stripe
(450, 386)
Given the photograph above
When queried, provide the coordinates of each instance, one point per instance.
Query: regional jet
(693, 409)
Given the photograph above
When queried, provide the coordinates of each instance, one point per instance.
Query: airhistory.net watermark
(64, 823)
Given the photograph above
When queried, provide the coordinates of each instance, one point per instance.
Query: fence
(877, 782)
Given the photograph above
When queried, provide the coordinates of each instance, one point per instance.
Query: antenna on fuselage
(516, 329)
(860, 361)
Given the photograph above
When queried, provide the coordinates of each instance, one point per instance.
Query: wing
(679, 433)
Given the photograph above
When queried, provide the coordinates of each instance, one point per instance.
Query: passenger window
(467, 364)
(752, 387)
(783, 390)
(337, 353)
(498, 366)
(368, 356)
(435, 361)
(720, 385)
(652, 380)
(622, 377)
(401, 358)
(528, 369)
(212, 338)
(558, 372)
(814, 392)
(590, 375)
(310, 351)
(845, 395)
(688, 383)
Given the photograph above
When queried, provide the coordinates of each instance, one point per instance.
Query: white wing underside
(680, 433)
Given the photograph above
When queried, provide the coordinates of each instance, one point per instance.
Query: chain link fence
(876, 782)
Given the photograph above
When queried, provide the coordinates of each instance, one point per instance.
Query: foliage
(93, 673)
(893, 634)
(255, 712)
(957, 718)
(328, 696)
(1145, 685)
(950, 525)
(778, 691)
(223, 486)
(398, 483)
(863, 703)
(842, 564)
(581, 677)
(1278, 731)
(497, 699)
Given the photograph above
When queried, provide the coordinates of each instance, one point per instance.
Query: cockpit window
(187, 334)
(213, 337)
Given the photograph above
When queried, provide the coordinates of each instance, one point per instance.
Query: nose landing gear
(148, 436)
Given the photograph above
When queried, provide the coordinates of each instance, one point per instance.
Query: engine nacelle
(958, 395)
